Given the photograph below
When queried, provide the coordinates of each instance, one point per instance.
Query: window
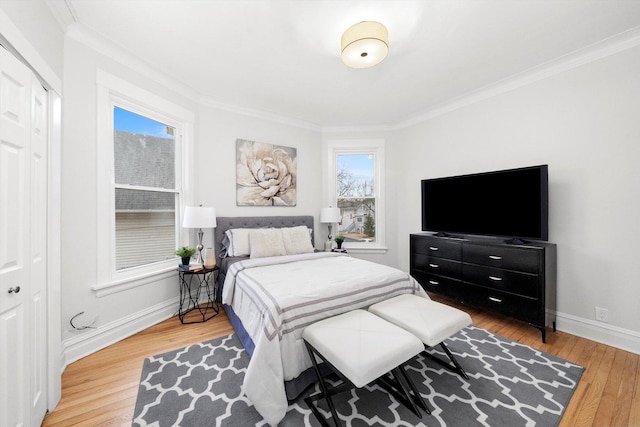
(142, 154)
(357, 189)
(146, 194)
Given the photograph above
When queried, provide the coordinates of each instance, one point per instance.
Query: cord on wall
(82, 327)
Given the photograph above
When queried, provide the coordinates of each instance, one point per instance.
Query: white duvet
(277, 297)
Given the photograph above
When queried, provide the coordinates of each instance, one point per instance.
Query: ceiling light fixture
(365, 44)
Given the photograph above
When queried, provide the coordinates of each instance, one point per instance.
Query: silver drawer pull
(495, 279)
(433, 248)
(495, 299)
(434, 265)
(496, 257)
(434, 282)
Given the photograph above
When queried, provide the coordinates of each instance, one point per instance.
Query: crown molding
(260, 114)
(602, 49)
(63, 12)
(97, 42)
(358, 129)
(84, 35)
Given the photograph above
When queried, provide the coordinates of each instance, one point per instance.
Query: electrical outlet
(602, 314)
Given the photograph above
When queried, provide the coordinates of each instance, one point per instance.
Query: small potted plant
(185, 252)
(339, 240)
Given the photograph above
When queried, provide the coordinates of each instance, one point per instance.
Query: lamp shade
(364, 44)
(329, 215)
(199, 217)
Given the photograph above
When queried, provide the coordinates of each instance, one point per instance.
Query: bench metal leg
(456, 366)
(399, 390)
(417, 397)
(324, 393)
(402, 389)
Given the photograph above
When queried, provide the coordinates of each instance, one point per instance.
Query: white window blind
(144, 237)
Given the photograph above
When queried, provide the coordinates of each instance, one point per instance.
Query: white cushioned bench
(360, 348)
(431, 321)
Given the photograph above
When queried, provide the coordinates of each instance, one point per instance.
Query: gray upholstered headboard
(226, 222)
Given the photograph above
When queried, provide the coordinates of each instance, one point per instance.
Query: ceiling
(282, 57)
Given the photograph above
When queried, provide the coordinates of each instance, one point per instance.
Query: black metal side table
(192, 285)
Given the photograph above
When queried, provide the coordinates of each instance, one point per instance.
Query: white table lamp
(329, 216)
(199, 217)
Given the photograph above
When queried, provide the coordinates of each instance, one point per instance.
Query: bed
(271, 299)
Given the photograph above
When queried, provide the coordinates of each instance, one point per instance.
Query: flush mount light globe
(365, 44)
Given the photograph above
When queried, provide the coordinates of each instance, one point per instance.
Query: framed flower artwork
(266, 174)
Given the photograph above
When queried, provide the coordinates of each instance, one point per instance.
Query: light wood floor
(100, 389)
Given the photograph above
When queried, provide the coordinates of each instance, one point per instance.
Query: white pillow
(238, 241)
(266, 242)
(297, 240)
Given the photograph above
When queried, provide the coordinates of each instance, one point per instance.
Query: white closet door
(23, 213)
(38, 253)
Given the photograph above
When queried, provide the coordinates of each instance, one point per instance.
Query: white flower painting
(266, 174)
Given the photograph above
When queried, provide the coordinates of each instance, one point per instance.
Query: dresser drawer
(520, 259)
(505, 280)
(439, 266)
(529, 310)
(434, 283)
(436, 246)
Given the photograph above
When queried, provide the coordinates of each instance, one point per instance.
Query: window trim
(113, 91)
(361, 146)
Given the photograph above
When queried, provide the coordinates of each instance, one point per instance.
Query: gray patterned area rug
(509, 384)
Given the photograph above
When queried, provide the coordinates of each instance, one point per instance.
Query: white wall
(584, 124)
(216, 160)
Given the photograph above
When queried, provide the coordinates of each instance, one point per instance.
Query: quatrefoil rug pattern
(509, 384)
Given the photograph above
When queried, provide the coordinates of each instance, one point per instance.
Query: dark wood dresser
(513, 279)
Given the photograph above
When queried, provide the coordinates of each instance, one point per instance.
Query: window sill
(131, 282)
(366, 249)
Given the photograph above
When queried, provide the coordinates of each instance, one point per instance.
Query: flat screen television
(511, 203)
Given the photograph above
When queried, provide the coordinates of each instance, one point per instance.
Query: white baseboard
(625, 339)
(96, 339)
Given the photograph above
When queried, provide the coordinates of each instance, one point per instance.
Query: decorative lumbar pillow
(238, 241)
(297, 240)
(266, 242)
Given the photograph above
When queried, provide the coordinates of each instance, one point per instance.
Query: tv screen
(512, 203)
